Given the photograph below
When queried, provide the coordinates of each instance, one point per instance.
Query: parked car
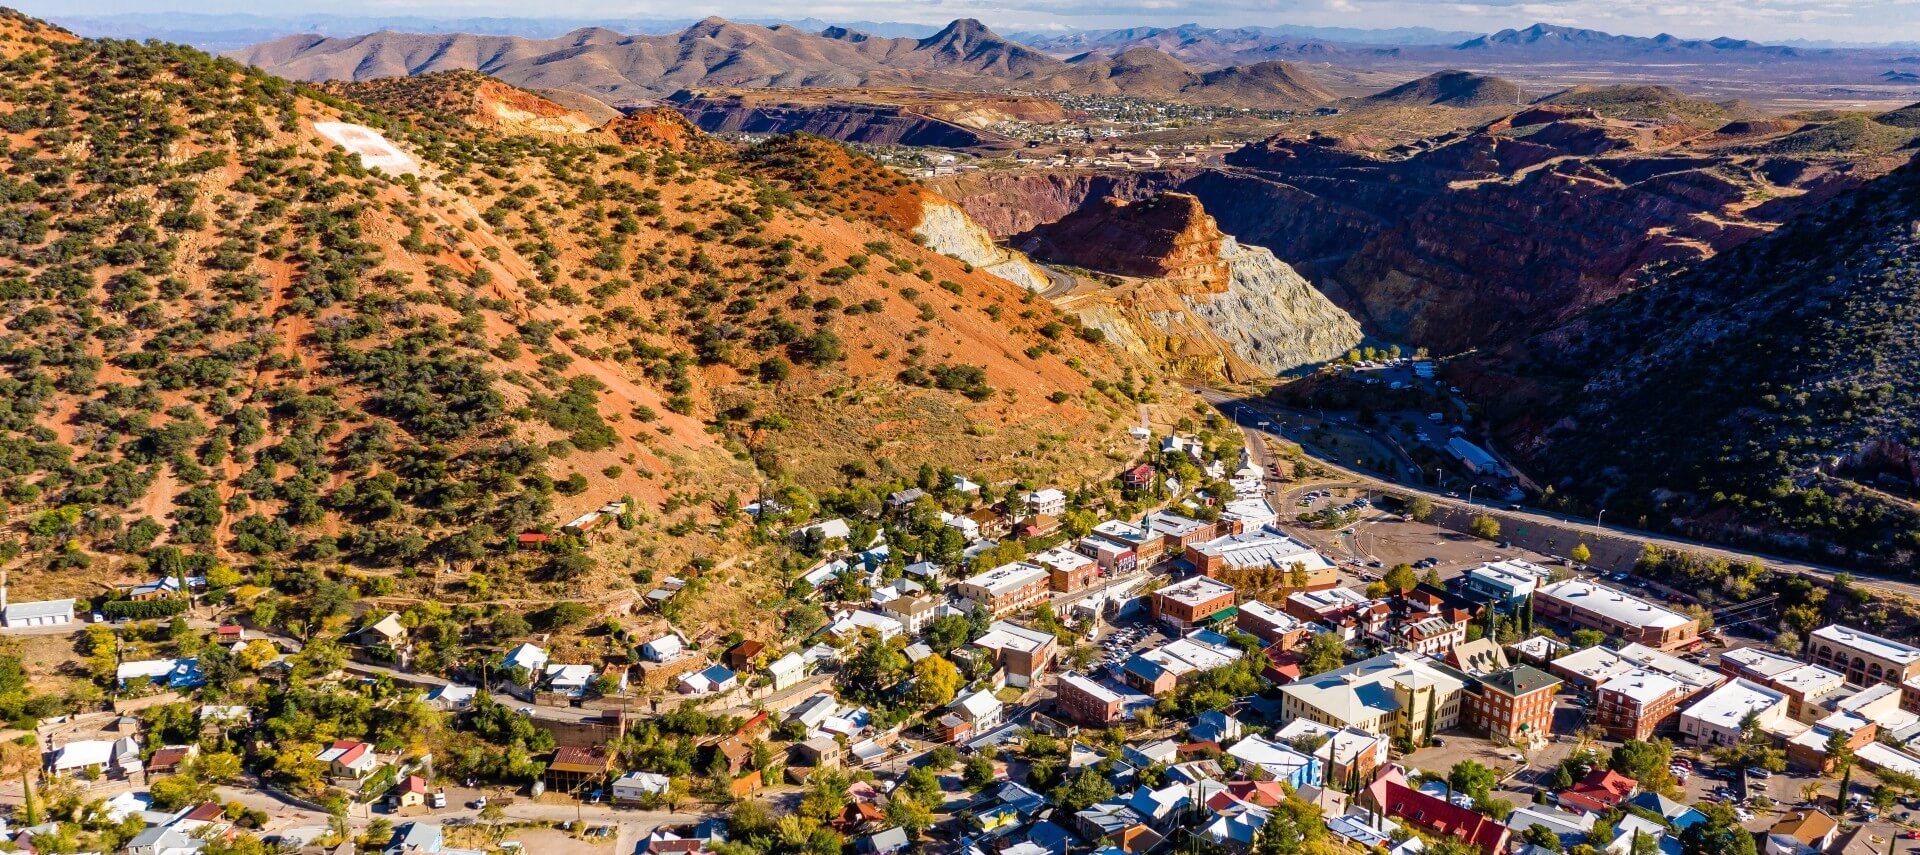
(1757, 772)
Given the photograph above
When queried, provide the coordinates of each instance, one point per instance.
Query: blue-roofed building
(1677, 814)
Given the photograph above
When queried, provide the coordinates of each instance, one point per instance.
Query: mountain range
(627, 71)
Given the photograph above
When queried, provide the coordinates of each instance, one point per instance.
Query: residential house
(709, 680)
(411, 792)
(574, 767)
(745, 655)
(1049, 502)
(1266, 760)
(529, 658)
(787, 671)
(1600, 791)
(639, 787)
(913, 611)
(349, 759)
(1802, 832)
(1390, 795)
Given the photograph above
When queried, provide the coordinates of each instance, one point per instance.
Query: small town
(1034, 677)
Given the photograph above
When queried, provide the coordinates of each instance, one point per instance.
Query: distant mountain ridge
(632, 70)
(1553, 38)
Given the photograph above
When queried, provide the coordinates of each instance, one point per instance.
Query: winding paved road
(1554, 533)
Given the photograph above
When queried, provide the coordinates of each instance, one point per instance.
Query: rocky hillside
(1765, 396)
(627, 71)
(268, 327)
(1452, 88)
(1186, 296)
(878, 117)
(1470, 238)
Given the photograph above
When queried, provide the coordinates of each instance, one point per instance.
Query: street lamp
(1438, 478)
(1597, 517)
(1470, 489)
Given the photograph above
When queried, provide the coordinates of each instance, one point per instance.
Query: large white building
(1616, 613)
(1718, 719)
(1393, 693)
(1864, 657)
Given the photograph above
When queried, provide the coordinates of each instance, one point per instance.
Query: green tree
(935, 681)
(978, 774)
(1485, 527)
(1581, 554)
(1323, 652)
(1841, 757)
(1400, 579)
(1420, 508)
(1471, 778)
(1084, 789)
(1719, 834)
(1543, 837)
(1582, 639)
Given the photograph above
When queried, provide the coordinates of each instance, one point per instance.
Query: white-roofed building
(1007, 588)
(1587, 605)
(1067, 571)
(1638, 703)
(1863, 657)
(1193, 601)
(1248, 513)
(1719, 718)
(855, 623)
(1266, 760)
(34, 614)
(1049, 502)
(1023, 652)
(1504, 581)
(787, 670)
(666, 648)
(526, 656)
(1378, 695)
(1261, 548)
(1271, 625)
(1807, 687)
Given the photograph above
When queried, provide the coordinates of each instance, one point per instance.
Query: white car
(1743, 814)
(1515, 756)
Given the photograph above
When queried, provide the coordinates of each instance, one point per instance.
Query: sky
(1766, 20)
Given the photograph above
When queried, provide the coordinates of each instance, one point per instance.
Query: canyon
(1480, 236)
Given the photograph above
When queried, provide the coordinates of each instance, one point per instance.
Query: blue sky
(1771, 20)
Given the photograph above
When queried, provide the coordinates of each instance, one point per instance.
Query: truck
(439, 799)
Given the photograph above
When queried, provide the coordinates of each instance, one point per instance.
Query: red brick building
(1192, 602)
(1638, 704)
(1087, 701)
(1515, 705)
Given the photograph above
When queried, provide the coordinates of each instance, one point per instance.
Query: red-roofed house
(1600, 791)
(412, 792)
(1262, 793)
(1138, 476)
(1436, 816)
(349, 758)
